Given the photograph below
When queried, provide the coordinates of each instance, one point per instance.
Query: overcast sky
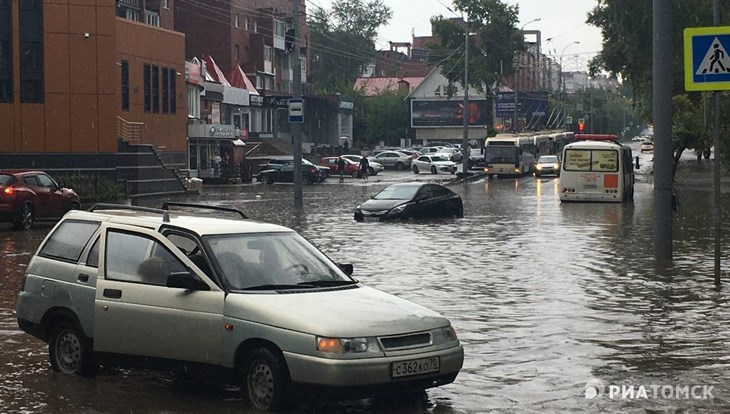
(561, 20)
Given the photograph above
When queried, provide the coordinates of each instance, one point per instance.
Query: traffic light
(581, 124)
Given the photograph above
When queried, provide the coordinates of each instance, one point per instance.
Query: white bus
(597, 170)
(509, 155)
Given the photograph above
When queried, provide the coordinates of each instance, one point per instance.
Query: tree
(343, 41)
(386, 118)
(491, 48)
(626, 26)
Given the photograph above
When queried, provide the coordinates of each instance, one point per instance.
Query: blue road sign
(706, 59)
(296, 111)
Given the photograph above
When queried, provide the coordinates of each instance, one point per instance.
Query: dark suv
(30, 195)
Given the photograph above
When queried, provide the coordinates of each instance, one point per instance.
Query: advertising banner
(437, 114)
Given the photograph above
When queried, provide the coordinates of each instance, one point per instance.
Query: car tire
(355, 174)
(434, 170)
(24, 217)
(265, 381)
(70, 351)
(415, 169)
(308, 180)
(399, 166)
(371, 171)
(268, 179)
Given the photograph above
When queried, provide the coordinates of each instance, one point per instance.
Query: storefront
(210, 148)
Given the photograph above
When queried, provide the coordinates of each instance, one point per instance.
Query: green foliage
(494, 39)
(605, 112)
(94, 188)
(386, 118)
(343, 41)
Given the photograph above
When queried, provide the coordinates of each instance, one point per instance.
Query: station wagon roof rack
(105, 206)
(166, 206)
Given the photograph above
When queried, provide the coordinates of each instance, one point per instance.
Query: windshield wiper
(278, 287)
(328, 283)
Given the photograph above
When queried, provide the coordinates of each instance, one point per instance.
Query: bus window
(577, 160)
(605, 161)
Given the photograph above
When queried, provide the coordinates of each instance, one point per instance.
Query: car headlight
(539, 167)
(398, 209)
(347, 345)
(444, 335)
(556, 166)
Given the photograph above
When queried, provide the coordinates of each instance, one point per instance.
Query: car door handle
(83, 278)
(113, 293)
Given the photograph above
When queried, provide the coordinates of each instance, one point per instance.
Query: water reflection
(544, 296)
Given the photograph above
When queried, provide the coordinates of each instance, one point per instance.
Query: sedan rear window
(7, 179)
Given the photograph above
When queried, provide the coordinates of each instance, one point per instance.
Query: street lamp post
(517, 73)
(561, 84)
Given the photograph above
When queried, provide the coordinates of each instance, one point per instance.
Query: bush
(94, 188)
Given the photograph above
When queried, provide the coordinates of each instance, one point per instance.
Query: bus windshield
(500, 155)
(591, 160)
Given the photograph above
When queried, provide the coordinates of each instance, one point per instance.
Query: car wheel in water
(415, 169)
(355, 174)
(69, 350)
(266, 380)
(24, 218)
(371, 171)
(268, 179)
(400, 166)
(433, 169)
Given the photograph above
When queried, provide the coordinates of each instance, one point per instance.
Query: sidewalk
(700, 176)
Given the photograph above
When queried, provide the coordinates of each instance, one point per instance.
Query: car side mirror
(347, 268)
(186, 280)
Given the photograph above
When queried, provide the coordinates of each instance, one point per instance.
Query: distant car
(430, 150)
(454, 154)
(393, 159)
(647, 146)
(411, 200)
(373, 167)
(351, 168)
(547, 164)
(31, 195)
(285, 174)
(323, 172)
(434, 163)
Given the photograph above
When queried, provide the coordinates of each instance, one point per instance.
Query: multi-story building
(84, 86)
(257, 37)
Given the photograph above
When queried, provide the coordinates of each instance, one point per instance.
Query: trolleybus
(597, 168)
(508, 155)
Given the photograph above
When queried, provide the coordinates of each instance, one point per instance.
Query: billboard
(529, 104)
(445, 114)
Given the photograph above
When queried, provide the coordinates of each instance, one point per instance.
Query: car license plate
(415, 367)
(371, 218)
(590, 186)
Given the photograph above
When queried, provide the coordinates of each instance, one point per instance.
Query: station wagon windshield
(272, 261)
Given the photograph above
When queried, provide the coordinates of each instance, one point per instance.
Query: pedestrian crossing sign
(706, 59)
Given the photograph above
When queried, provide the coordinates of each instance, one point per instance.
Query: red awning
(239, 79)
(214, 71)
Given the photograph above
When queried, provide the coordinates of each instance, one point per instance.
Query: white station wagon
(254, 300)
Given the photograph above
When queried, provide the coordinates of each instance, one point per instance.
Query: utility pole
(296, 129)
(662, 118)
(465, 152)
(716, 163)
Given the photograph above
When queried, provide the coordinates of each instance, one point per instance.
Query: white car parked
(454, 154)
(434, 164)
(430, 150)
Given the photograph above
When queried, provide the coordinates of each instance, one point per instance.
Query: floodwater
(544, 296)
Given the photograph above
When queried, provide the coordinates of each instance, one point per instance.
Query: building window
(235, 22)
(31, 28)
(173, 90)
(6, 52)
(238, 51)
(152, 18)
(303, 64)
(245, 23)
(255, 26)
(147, 88)
(193, 102)
(165, 91)
(125, 85)
(155, 88)
(279, 28)
(267, 53)
(165, 5)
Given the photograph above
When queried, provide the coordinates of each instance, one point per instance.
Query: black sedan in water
(285, 173)
(411, 200)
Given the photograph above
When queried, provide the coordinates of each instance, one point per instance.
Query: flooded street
(544, 296)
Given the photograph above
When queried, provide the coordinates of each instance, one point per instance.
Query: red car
(29, 195)
(351, 168)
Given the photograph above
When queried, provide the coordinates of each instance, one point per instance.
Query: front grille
(406, 341)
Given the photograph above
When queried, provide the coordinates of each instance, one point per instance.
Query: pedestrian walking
(341, 169)
(364, 164)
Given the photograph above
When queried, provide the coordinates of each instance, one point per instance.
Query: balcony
(132, 4)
